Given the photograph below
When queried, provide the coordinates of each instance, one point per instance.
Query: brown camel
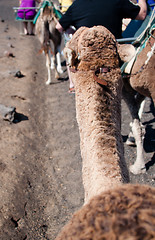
(50, 38)
(113, 210)
(92, 55)
(142, 77)
(138, 85)
(125, 213)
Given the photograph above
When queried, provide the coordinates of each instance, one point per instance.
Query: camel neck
(98, 111)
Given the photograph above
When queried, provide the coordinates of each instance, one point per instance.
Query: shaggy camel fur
(50, 39)
(125, 213)
(141, 80)
(98, 107)
(114, 211)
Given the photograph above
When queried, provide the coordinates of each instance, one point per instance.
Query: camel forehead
(48, 10)
(97, 37)
(96, 29)
(97, 44)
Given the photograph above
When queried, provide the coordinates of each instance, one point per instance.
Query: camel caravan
(49, 37)
(138, 74)
(113, 208)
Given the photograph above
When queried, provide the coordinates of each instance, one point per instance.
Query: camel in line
(113, 209)
(50, 38)
(92, 55)
(136, 86)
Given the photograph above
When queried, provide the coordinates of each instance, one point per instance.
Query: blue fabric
(136, 27)
(148, 26)
(150, 2)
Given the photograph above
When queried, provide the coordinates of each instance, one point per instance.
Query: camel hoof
(60, 70)
(137, 170)
(48, 82)
(131, 141)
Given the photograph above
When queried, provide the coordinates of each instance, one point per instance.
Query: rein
(99, 80)
(100, 71)
(152, 51)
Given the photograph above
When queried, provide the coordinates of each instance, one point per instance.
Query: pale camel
(50, 39)
(113, 210)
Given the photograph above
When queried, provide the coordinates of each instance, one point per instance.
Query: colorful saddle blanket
(44, 4)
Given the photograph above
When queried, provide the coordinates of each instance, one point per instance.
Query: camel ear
(126, 52)
(69, 55)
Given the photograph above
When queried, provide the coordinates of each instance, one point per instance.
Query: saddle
(142, 31)
(57, 13)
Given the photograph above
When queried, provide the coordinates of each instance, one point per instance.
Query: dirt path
(40, 162)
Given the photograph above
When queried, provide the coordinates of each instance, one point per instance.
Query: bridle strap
(95, 73)
(98, 79)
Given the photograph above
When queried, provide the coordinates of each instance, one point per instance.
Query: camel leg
(58, 58)
(141, 109)
(131, 140)
(48, 65)
(137, 129)
(53, 65)
(139, 165)
(52, 62)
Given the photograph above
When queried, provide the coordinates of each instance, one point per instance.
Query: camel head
(46, 13)
(126, 212)
(92, 48)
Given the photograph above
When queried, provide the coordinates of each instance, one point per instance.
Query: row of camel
(113, 209)
(136, 86)
(50, 38)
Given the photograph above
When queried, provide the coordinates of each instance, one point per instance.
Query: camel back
(45, 4)
(141, 37)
